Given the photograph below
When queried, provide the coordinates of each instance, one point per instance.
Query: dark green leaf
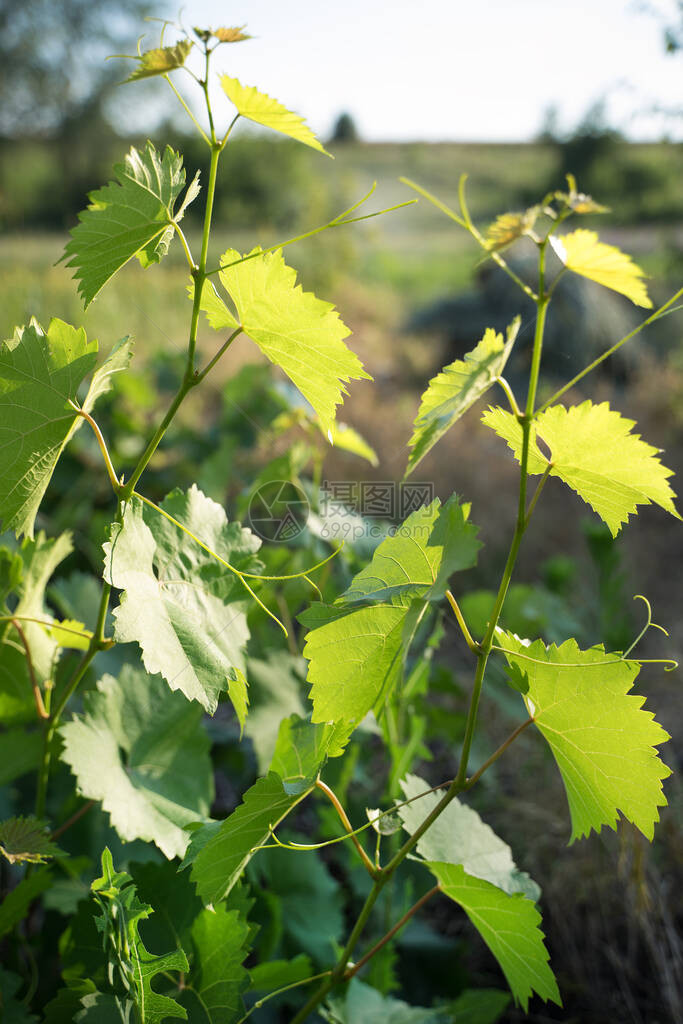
(15, 905)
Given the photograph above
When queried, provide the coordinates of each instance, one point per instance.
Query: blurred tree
(52, 58)
(344, 129)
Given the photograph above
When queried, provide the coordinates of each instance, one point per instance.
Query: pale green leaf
(356, 656)
(102, 381)
(583, 252)
(161, 60)
(362, 1004)
(509, 925)
(237, 692)
(263, 109)
(602, 739)
(457, 387)
(276, 689)
(417, 560)
(231, 35)
(120, 915)
(185, 610)
(26, 839)
(217, 313)
(41, 557)
(140, 749)
(298, 332)
(459, 836)
(593, 450)
(39, 375)
(70, 633)
(220, 851)
(133, 216)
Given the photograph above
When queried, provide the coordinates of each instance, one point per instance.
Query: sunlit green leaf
(510, 927)
(593, 450)
(39, 374)
(263, 109)
(230, 35)
(451, 393)
(298, 332)
(133, 216)
(102, 381)
(140, 749)
(583, 252)
(349, 440)
(418, 559)
(508, 227)
(602, 739)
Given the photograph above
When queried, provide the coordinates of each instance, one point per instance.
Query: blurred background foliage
(411, 288)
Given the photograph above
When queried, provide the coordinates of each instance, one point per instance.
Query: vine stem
(460, 782)
(343, 817)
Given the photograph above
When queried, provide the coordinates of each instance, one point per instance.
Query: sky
(465, 70)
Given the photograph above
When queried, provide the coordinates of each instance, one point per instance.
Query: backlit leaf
(161, 60)
(583, 252)
(349, 440)
(102, 381)
(133, 216)
(510, 927)
(185, 610)
(140, 749)
(417, 560)
(230, 35)
(508, 227)
(593, 450)
(298, 332)
(40, 556)
(39, 374)
(451, 393)
(602, 739)
(263, 109)
(219, 852)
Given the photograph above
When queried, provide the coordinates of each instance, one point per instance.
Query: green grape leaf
(480, 1006)
(517, 678)
(278, 973)
(302, 747)
(385, 823)
(362, 1004)
(459, 836)
(355, 657)
(263, 109)
(71, 634)
(161, 60)
(140, 749)
(417, 560)
(239, 697)
(594, 452)
(120, 915)
(583, 252)
(15, 904)
(508, 227)
(20, 751)
(509, 925)
(185, 610)
(220, 851)
(102, 382)
(39, 375)
(602, 739)
(17, 704)
(294, 329)
(457, 387)
(133, 216)
(26, 840)
(212, 991)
